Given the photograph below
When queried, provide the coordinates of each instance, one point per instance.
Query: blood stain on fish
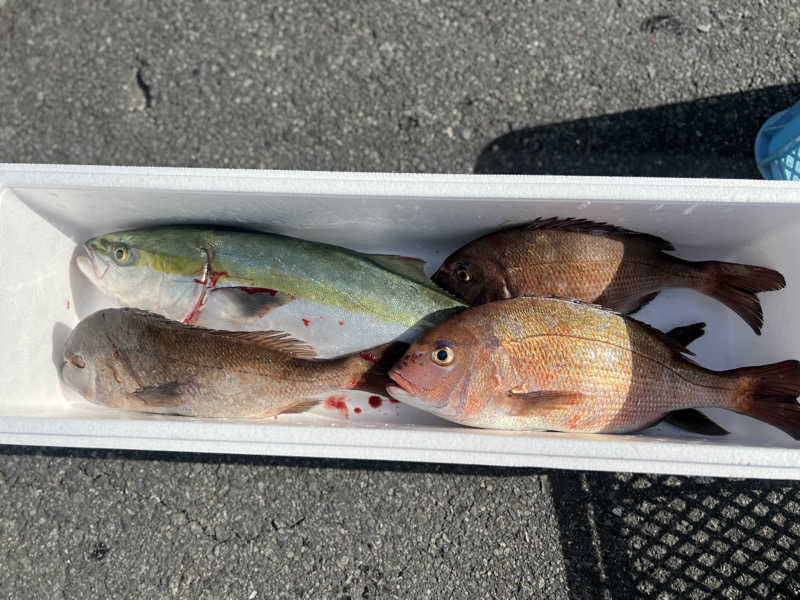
(357, 410)
(214, 276)
(337, 403)
(258, 290)
(369, 356)
(306, 322)
(192, 318)
(375, 401)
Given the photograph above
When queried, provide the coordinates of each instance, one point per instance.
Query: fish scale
(137, 360)
(548, 363)
(335, 299)
(595, 262)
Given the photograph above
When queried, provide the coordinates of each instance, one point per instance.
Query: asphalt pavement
(631, 88)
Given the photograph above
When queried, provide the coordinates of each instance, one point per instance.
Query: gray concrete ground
(666, 88)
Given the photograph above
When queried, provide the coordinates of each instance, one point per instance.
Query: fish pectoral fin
(300, 406)
(407, 266)
(543, 401)
(244, 304)
(643, 301)
(695, 422)
(164, 394)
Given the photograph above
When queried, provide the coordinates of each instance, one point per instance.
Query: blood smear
(337, 403)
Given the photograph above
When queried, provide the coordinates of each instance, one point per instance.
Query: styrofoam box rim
(424, 444)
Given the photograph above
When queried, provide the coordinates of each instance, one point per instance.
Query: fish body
(554, 364)
(336, 299)
(598, 263)
(135, 360)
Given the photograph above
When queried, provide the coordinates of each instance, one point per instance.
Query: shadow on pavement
(266, 461)
(622, 535)
(709, 137)
(652, 536)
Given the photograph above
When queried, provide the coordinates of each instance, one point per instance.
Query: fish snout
(403, 382)
(76, 376)
(400, 372)
(410, 359)
(439, 276)
(91, 265)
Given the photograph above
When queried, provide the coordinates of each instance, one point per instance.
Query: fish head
(441, 371)
(87, 357)
(474, 274)
(138, 268)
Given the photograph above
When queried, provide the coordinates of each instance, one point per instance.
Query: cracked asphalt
(635, 88)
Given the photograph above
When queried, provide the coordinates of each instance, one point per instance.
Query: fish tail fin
(769, 393)
(369, 370)
(736, 286)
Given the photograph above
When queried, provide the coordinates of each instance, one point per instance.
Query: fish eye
(443, 356)
(77, 361)
(463, 274)
(120, 254)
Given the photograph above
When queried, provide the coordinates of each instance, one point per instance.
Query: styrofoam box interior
(46, 212)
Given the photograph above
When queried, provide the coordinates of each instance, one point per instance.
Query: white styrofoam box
(46, 212)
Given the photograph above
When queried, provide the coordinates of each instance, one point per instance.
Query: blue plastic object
(778, 145)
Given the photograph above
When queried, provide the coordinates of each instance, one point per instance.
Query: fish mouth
(405, 386)
(439, 278)
(403, 396)
(76, 379)
(89, 266)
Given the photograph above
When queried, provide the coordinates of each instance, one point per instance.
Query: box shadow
(628, 535)
(707, 137)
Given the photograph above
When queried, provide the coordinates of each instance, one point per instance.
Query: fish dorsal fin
(270, 340)
(407, 266)
(688, 333)
(597, 228)
(673, 344)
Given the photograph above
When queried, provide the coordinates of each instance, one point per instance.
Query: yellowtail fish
(337, 300)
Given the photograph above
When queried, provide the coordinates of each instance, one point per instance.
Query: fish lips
(91, 265)
(408, 392)
(403, 396)
(406, 386)
(405, 391)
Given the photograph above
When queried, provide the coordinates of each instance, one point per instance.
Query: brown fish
(595, 262)
(554, 364)
(136, 360)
